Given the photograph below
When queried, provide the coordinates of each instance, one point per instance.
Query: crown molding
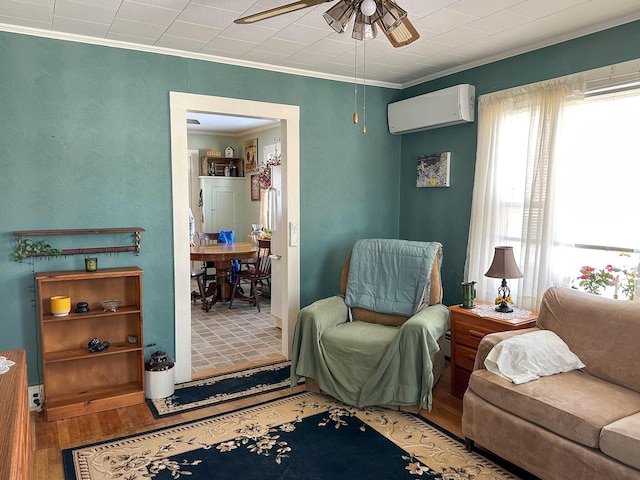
(105, 42)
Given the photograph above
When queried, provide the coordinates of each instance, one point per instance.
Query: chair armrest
(312, 322)
(325, 313)
(435, 319)
(491, 340)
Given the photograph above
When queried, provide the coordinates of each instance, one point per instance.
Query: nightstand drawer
(470, 333)
(465, 357)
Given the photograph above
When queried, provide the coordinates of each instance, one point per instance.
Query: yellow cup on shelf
(60, 305)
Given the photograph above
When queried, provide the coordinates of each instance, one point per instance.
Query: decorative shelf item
(22, 236)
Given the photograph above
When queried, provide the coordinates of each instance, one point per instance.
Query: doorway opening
(287, 267)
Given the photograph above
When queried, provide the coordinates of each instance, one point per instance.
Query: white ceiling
(227, 125)
(455, 34)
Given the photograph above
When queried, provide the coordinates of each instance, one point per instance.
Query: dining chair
(258, 275)
(208, 267)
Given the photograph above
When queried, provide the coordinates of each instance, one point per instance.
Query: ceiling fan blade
(273, 12)
(403, 34)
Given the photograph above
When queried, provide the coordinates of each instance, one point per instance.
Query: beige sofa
(582, 424)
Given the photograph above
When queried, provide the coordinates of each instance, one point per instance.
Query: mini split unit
(441, 108)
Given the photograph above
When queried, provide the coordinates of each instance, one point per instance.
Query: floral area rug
(222, 388)
(306, 436)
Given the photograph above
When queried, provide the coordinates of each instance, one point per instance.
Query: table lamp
(504, 266)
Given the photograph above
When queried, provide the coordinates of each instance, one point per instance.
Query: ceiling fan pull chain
(355, 82)
(364, 86)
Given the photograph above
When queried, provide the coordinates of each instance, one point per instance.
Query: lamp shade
(504, 264)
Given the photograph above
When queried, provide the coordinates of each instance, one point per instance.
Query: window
(557, 178)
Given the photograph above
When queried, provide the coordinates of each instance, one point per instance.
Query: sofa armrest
(491, 340)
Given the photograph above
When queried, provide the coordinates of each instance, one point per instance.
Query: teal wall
(85, 143)
(443, 213)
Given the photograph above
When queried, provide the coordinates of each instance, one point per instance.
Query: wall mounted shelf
(135, 248)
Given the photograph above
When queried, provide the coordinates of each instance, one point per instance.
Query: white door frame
(179, 104)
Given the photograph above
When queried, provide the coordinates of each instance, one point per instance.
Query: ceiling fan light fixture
(364, 28)
(390, 16)
(368, 7)
(339, 15)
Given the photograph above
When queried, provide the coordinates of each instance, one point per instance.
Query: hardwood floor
(50, 438)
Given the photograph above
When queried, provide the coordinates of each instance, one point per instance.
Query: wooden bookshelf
(77, 382)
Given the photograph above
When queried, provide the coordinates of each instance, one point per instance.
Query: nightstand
(467, 329)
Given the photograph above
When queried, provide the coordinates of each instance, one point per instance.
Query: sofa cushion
(574, 404)
(621, 440)
(593, 327)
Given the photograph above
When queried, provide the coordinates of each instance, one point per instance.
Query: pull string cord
(364, 85)
(355, 81)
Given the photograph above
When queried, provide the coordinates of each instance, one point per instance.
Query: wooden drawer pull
(471, 357)
(474, 334)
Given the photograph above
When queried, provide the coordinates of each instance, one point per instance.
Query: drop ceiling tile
(328, 47)
(180, 43)
(483, 8)
(238, 6)
(31, 11)
(99, 3)
(23, 22)
(82, 11)
(302, 34)
(171, 4)
(79, 27)
(443, 21)
(306, 59)
(249, 33)
(417, 9)
(477, 49)
(205, 15)
(229, 45)
(136, 29)
(261, 56)
(123, 37)
(190, 30)
(592, 11)
(499, 21)
(542, 8)
(146, 14)
(460, 36)
(396, 60)
(284, 47)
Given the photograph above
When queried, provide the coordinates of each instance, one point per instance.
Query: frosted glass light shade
(364, 28)
(339, 15)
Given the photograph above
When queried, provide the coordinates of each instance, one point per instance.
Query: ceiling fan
(368, 13)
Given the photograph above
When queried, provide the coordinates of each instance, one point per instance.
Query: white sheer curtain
(513, 199)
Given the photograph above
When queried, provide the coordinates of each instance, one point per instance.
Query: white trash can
(158, 373)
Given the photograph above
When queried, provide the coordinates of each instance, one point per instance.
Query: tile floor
(225, 337)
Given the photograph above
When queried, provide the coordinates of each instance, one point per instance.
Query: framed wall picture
(251, 155)
(433, 170)
(255, 188)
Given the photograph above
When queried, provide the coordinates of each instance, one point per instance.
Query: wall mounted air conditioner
(441, 108)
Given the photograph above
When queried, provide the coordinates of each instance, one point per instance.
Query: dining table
(221, 254)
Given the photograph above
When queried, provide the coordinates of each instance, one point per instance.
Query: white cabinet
(224, 205)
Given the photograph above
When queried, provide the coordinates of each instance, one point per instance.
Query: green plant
(596, 280)
(28, 248)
